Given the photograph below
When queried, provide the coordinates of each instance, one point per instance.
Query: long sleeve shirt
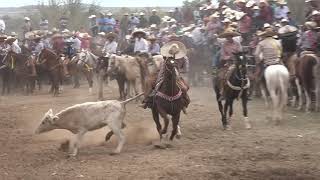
(280, 13)
(245, 24)
(268, 51)
(154, 48)
(110, 47)
(141, 45)
(14, 48)
(38, 48)
(229, 48)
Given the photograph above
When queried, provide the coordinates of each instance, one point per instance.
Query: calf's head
(47, 123)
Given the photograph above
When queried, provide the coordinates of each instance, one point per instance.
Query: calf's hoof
(113, 153)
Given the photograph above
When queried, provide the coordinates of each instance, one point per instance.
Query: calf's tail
(131, 99)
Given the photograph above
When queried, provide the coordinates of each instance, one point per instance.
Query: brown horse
(19, 71)
(50, 62)
(168, 100)
(308, 77)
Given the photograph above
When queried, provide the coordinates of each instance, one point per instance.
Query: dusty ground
(288, 151)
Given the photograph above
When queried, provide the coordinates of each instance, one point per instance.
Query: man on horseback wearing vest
(39, 46)
(176, 51)
(268, 52)
(11, 47)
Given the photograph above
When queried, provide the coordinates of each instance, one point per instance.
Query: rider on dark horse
(39, 46)
(69, 53)
(229, 48)
(13, 47)
(176, 52)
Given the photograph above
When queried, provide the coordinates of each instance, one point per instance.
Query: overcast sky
(105, 3)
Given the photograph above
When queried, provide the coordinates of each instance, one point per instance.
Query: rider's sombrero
(174, 49)
(310, 25)
(103, 34)
(152, 38)
(28, 35)
(111, 35)
(287, 29)
(230, 32)
(10, 39)
(57, 35)
(268, 32)
(139, 31)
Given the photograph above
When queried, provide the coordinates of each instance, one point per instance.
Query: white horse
(86, 63)
(277, 81)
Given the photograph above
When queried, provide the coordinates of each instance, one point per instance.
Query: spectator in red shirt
(265, 15)
(244, 26)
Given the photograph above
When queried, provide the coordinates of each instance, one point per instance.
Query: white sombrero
(111, 34)
(229, 32)
(174, 49)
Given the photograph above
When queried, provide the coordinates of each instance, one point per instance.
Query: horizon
(115, 4)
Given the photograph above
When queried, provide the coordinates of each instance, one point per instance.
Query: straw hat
(214, 16)
(10, 39)
(57, 35)
(287, 29)
(229, 32)
(153, 26)
(26, 18)
(250, 3)
(311, 25)
(84, 36)
(111, 35)
(284, 20)
(154, 10)
(142, 14)
(174, 49)
(240, 15)
(268, 32)
(139, 31)
(256, 8)
(102, 34)
(14, 34)
(109, 14)
(92, 16)
(282, 2)
(315, 12)
(28, 35)
(3, 37)
(36, 37)
(152, 38)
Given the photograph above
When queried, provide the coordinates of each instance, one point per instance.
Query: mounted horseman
(176, 51)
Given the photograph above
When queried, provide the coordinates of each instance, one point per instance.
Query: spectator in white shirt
(11, 46)
(281, 11)
(141, 44)
(111, 45)
(2, 26)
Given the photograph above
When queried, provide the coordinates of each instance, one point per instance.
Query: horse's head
(170, 65)
(241, 63)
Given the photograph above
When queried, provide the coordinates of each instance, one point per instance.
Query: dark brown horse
(308, 80)
(19, 71)
(168, 100)
(236, 85)
(50, 62)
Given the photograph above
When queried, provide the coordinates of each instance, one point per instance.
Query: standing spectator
(63, 23)
(110, 23)
(316, 17)
(177, 15)
(2, 26)
(281, 11)
(265, 14)
(143, 21)
(44, 24)
(154, 18)
(102, 22)
(196, 15)
(292, 22)
(93, 25)
(27, 26)
(214, 26)
(124, 25)
(311, 6)
(245, 23)
(133, 22)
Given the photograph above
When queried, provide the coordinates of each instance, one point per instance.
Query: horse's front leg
(244, 100)
(224, 117)
(155, 115)
(90, 81)
(165, 117)
(175, 123)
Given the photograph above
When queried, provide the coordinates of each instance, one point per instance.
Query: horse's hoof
(178, 136)
(228, 128)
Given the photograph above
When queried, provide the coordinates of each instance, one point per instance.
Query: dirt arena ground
(289, 151)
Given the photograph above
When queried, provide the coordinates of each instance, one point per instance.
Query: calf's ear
(50, 111)
(55, 118)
